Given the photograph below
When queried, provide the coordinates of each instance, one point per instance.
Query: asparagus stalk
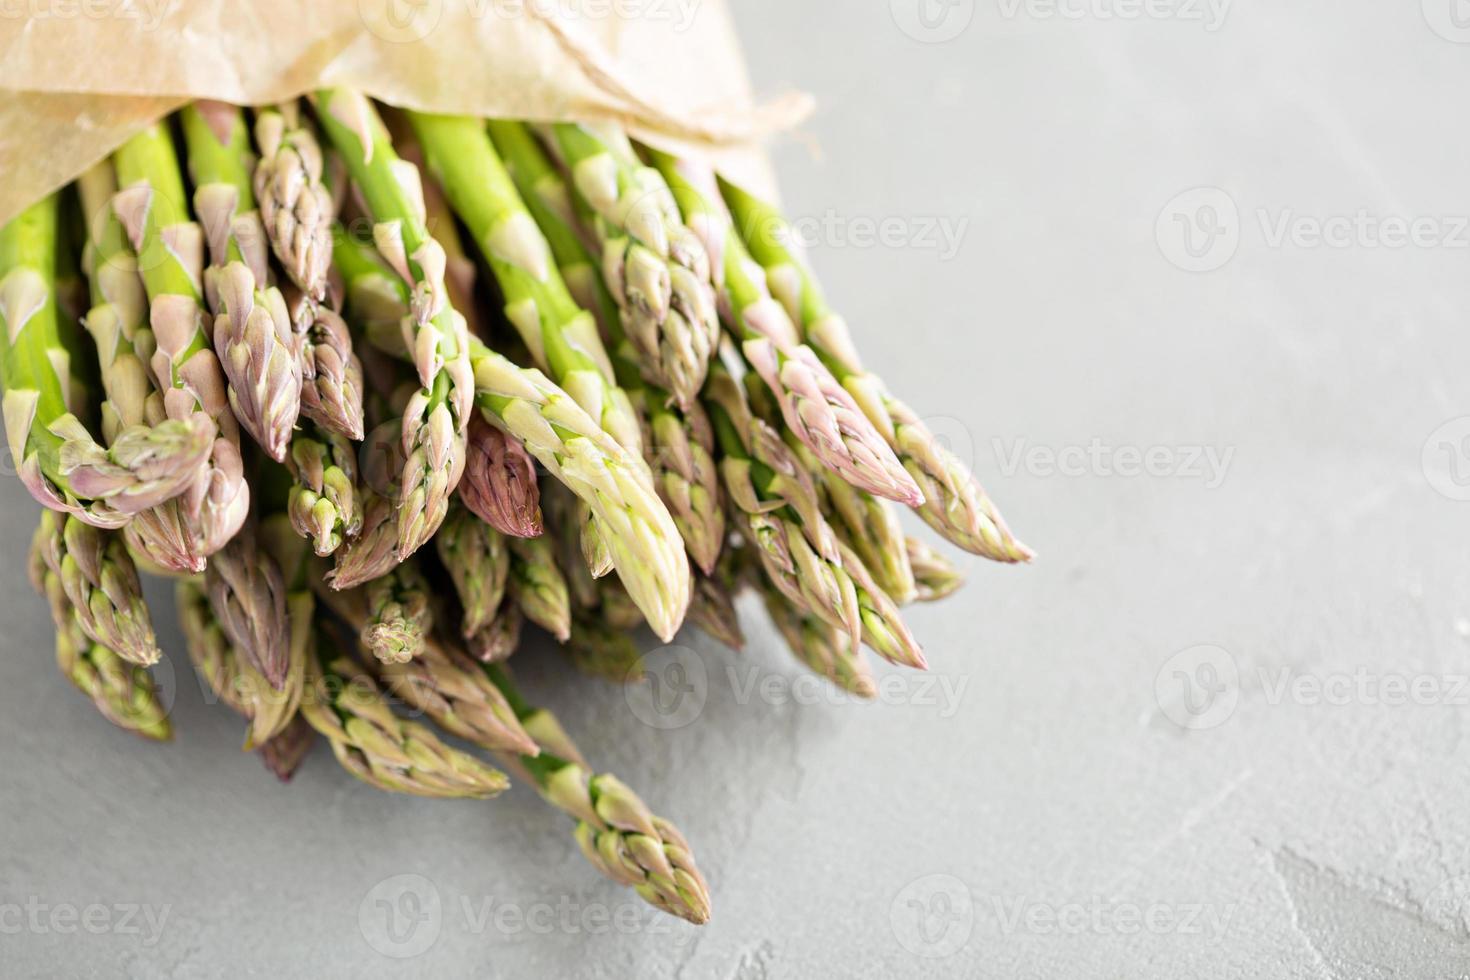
(284, 753)
(782, 518)
(866, 524)
(681, 448)
(230, 675)
(561, 336)
(616, 831)
(478, 560)
(498, 639)
(170, 253)
(602, 606)
(828, 652)
(118, 319)
(616, 610)
(818, 410)
(101, 584)
(433, 332)
(325, 504)
(538, 587)
(713, 611)
(566, 536)
(600, 650)
(380, 748)
(460, 273)
(253, 334)
(656, 268)
(247, 592)
(641, 537)
(679, 445)
(298, 212)
(935, 576)
(332, 386)
(122, 692)
(453, 690)
(399, 615)
(295, 205)
(447, 685)
(58, 460)
(546, 195)
(499, 484)
(373, 552)
(954, 504)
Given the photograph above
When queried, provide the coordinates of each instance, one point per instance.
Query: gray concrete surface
(1216, 732)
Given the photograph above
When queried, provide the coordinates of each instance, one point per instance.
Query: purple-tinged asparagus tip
(499, 484)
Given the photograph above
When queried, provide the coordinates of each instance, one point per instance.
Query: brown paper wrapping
(78, 77)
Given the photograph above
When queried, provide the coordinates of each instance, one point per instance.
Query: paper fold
(78, 77)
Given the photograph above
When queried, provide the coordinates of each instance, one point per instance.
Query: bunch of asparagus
(274, 354)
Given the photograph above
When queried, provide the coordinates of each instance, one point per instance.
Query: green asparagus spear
(798, 548)
(642, 540)
(170, 250)
(58, 460)
(678, 442)
(253, 334)
(655, 267)
(434, 333)
(954, 503)
(616, 831)
(816, 408)
(383, 750)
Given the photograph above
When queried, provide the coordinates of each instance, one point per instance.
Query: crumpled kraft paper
(78, 77)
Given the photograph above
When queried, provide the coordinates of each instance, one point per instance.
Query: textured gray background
(1055, 821)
